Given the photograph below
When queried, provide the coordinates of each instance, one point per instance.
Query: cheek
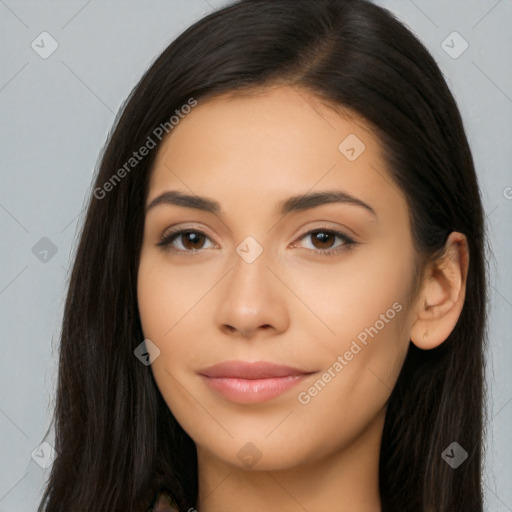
(355, 383)
(345, 298)
(168, 299)
(168, 294)
(364, 305)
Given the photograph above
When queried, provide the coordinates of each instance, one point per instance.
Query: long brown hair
(118, 443)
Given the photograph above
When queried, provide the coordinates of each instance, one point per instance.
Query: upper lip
(247, 370)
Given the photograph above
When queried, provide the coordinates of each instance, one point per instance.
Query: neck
(344, 481)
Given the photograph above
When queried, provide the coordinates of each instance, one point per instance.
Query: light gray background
(56, 113)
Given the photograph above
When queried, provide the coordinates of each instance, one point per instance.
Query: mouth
(244, 382)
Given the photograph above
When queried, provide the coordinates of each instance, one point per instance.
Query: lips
(244, 370)
(247, 383)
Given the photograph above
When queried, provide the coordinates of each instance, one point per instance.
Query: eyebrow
(292, 204)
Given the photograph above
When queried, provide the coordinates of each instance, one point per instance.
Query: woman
(278, 300)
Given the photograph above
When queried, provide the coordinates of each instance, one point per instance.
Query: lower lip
(252, 391)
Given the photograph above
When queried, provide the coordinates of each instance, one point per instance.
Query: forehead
(272, 143)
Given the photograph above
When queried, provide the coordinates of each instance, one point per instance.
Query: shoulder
(164, 503)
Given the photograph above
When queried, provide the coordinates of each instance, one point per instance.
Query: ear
(441, 298)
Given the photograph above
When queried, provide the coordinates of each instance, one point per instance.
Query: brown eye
(191, 240)
(323, 239)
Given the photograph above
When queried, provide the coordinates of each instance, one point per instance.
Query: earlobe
(441, 298)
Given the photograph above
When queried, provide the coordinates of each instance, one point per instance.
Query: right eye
(192, 240)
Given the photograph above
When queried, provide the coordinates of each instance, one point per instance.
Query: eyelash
(167, 239)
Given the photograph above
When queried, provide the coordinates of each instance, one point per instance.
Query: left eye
(325, 239)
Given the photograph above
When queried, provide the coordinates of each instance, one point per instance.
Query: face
(319, 287)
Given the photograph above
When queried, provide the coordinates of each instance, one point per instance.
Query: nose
(253, 301)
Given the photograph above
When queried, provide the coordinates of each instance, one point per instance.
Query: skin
(290, 305)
